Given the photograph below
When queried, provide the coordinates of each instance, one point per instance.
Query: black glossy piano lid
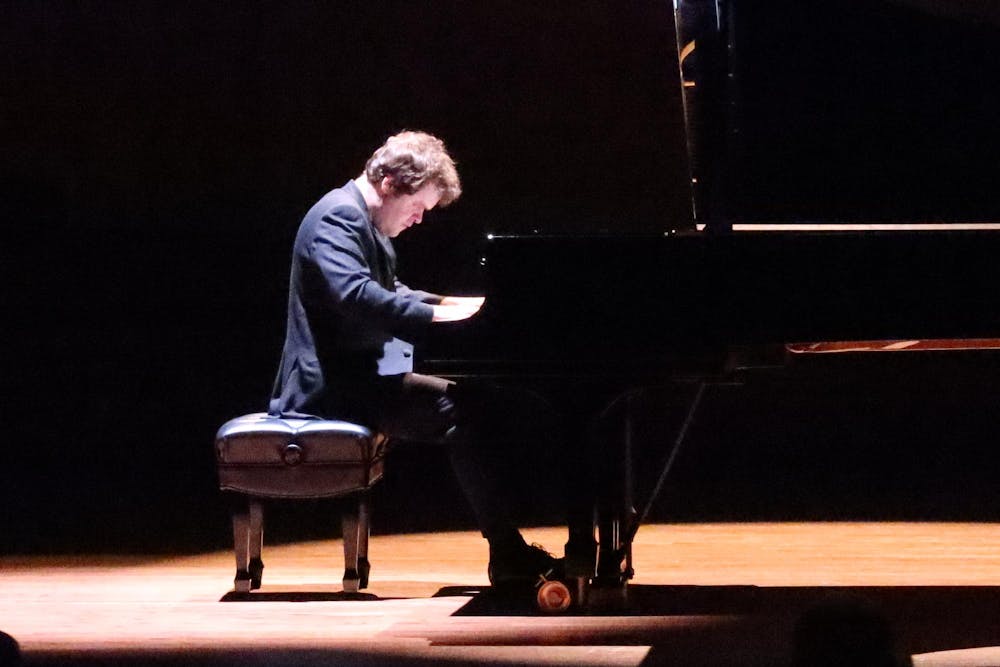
(843, 111)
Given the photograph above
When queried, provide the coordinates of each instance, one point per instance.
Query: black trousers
(491, 431)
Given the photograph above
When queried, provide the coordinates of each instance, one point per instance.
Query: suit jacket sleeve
(419, 295)
(343, 250)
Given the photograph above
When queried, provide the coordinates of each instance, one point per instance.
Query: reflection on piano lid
(857, 226)
(927, 345)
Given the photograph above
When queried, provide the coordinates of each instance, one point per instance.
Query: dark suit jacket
(348, 315)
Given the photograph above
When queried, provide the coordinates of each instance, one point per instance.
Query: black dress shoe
(523, 565)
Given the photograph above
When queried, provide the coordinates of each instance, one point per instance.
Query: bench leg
(248, 540)
(256, 544)
(363, 528)
(354, 527)
(241, 547)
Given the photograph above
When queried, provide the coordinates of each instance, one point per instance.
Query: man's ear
(386, 186)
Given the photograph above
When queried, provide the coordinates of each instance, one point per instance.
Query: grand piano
(844, 196)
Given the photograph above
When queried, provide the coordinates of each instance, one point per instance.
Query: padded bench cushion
(271, 457)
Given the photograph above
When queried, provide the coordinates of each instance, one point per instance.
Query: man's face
(399, 212)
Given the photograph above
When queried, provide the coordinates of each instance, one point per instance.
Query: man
(346, 352)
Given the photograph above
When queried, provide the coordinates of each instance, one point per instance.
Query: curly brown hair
(413, 159)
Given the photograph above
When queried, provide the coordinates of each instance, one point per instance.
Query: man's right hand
(454, 308)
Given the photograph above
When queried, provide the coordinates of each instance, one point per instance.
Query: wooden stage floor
(704, 594)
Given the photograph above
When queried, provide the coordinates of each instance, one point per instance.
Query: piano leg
(581, 547)
(601, 499)
(615, 512)
(613, 472)
(615, 509)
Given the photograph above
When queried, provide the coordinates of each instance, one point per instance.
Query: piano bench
(262, 457)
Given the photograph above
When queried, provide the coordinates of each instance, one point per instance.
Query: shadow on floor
(741, 624)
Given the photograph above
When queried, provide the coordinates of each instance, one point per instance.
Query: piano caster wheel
(553, 597)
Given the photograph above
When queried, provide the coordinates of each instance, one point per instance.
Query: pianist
(346, 354)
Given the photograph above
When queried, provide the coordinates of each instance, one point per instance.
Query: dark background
(853, 111)
(158, 157)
